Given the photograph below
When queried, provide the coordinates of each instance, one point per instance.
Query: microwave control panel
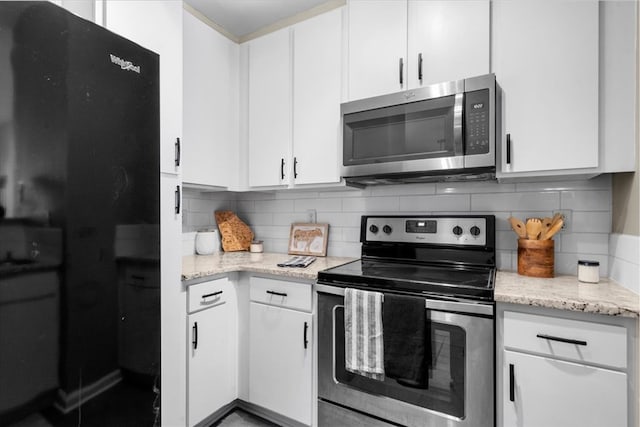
(476, 120)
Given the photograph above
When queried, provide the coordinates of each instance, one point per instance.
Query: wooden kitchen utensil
(536, 258)
(555, 227)
(534, 228)
(519, 227)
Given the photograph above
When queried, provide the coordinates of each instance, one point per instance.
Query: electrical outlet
(568, 217)
(311, 215)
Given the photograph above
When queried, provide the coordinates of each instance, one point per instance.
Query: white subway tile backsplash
(585, 243)
(436, 203)
(403, 190)
(273, 206)
(533, 201)
(587, 203)
(626, 247)
(590, 222)
(599, 200)
(473, 187)
(370, 205)
(324, 205)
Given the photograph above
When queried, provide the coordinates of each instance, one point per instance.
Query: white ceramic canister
(588, 271)
(207, 242)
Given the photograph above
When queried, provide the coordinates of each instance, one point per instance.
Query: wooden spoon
(534, 228)
(555, 227)
(519, 227)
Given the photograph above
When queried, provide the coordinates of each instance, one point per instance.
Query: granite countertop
(567, 293)
(195, 266)
(563, 292)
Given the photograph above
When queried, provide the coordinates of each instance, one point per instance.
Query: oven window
(419, 130)
(445, 391)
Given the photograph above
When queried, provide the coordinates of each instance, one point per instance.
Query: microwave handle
(457, 125)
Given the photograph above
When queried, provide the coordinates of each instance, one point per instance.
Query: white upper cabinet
(377, 47)
(447, 40)
(317, 73)
(270, 109)
(162, 34)
(399, 45)
(545, 57)
(211, 112)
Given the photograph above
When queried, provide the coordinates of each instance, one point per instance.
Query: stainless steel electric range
(449, 263)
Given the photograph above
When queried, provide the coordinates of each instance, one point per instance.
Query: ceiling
(243, 17)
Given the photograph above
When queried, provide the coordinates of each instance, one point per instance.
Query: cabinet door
(452, 39)
(157, 25)
(269, 109)
(210, 362)
(317, 72)
(211, 93)
(377, 44)
(549, 78)
(549, 392)
(173, 301)
(280, 361)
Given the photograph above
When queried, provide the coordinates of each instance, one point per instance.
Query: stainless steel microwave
(445, 131)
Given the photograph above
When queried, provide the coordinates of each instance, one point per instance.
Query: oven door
(461, 376)
(390, 135)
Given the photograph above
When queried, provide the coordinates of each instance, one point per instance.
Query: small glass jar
(588, 271)
(256, 246)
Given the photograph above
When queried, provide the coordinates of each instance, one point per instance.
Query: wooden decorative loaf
(235, 234)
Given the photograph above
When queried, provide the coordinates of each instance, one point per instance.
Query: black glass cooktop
(428, 279)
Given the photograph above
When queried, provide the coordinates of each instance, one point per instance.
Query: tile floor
(240, 418)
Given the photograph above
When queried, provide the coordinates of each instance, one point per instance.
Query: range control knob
(475, 231)
(387, 229)
(457, 230)
(373, 228)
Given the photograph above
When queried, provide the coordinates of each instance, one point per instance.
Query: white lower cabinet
(212, 357)
(280, 360)
(564, 369)
(549, 392)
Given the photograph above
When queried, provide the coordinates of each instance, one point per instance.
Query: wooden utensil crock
(536, 258)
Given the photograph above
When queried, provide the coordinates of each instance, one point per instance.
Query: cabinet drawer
(575, 340)
(284, 294)
(208, 294)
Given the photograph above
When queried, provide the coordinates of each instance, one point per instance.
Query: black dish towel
(407, 340)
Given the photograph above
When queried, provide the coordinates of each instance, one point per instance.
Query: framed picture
(308, 239)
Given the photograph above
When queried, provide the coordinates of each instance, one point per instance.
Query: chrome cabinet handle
(560, 339)
(508, 148)
(295, 167)
(400, 70)
(420, 67)
(282, 168)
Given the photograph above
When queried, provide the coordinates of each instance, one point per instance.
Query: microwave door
(412, 137)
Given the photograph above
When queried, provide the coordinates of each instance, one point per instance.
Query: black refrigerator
(79, 222)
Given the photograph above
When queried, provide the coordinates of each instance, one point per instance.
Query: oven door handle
(464, 307)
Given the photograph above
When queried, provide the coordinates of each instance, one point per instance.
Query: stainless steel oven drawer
(330, 415)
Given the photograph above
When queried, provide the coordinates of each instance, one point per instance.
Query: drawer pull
(559, 339)
(211, 294)
(512, 393)
(280, 294)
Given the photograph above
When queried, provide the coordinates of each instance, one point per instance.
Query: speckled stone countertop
(567, 293)
(195, 266)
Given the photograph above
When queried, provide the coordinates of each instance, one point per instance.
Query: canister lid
(589, 263)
